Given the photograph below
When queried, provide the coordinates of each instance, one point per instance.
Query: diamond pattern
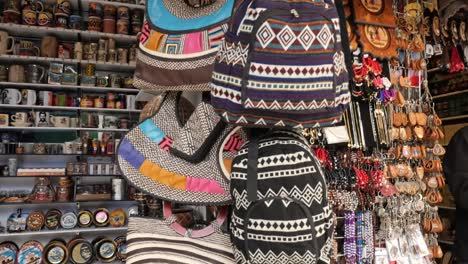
(265, 35)
(286, 37)
(325, 36)
(306, 37)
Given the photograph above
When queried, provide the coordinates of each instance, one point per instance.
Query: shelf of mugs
(46, 86)
(100, 66)
(65, 231)
(114, 3)
(64, 129)
(63, 33)
(68, 108)
(70, 176)
(76, 204)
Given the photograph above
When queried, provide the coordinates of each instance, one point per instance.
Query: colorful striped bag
(281, 64)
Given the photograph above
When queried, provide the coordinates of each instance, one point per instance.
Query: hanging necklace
(350, 237)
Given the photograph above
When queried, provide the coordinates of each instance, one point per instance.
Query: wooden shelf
(104, 2)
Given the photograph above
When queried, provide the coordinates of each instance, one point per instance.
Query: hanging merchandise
(281, 214)
(178, 44)
(281, 64)
(166, 241)
(179, 159)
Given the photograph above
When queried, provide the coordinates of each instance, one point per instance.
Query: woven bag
(166, 241)
(178, 44)
(185, 162)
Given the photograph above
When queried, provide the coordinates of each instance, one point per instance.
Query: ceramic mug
(75, 22)
(61, 99)
(102, 81)
(112, 55)
(111, 122)
(60, 121)
(11, 16)
(108, 25)
(49, 47)
(3, 73)
(122, 55)
(46, 98)
(6, 43)
(115, 80)
(123, 12)
(130, 102)
(27, 48)
(16, 73)
(29, 97)
(68, 147)
(94, 23)
(4, 120)
(45, 19)
(29, 17)
(122, 26)
(74, 122)
(20, 118)
(41, 119)
(36, 73)
(61, 21)
(11, 96)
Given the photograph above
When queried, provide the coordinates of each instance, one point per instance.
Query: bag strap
(186, 232)
(290, 199)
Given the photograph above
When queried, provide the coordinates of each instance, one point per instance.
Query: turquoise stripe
(151, 131)
(162, 18)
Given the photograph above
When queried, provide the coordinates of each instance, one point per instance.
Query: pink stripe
(193, 43)
(203, 185)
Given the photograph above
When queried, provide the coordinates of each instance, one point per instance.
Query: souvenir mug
(102, 81)
(45, 19)
(27, 48)
(90, 69)
(110, 122)
(130, 102)
(111, 44)
(115, 80)
(29, 97)
(123, 13)
(41, 119)
(11, 16)
(102, 55)
(63, 8)
(11, 96)
(112, 55)
(95, 9)
(94, 23)
(60, 121)
(74, 122)
(75, 22)
(122, 55)
(136, 27)
(4, 120)
(61, 99)
(20, 118)
(29, 17)
(110, 11)
(78, 51)
(16, 73)
(108, 25)
(3, 73)
(46, 98)
(128, 82)
(6, 43)
(122, 26)
(61, 21)
(36, 73)
(49, 47)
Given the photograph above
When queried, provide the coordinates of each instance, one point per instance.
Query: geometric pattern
(287, 36)
(277, 160)
(325, 251)
(233, 54)
(288, 105)
(279, 226)
(290, 71)
(276, 174)
(270, 257)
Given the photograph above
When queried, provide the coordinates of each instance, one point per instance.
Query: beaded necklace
(360, 238)
(369, 236)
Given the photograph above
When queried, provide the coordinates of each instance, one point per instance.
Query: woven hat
(185, 162)
(178, 44)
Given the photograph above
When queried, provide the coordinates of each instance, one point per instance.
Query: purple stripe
(130, 154)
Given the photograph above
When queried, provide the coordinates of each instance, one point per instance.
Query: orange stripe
(163, 176)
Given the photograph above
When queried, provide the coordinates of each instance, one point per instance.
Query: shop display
(30, 252)
(56, 252)
(8, 252)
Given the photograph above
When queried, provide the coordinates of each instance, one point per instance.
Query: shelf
(62, 129)
(103, 2)
(68, 108)
(453, 117)
(449, 94)
(57, 176)
(446, 207)
(61, 154)
(76, 203)
(447, 242)
(100, 66)
(19, 30)
(64, 231)
(44, 86)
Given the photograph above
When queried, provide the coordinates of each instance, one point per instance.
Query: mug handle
(42, 73)
(34, 97)
(52, 120)
(12, 39)
(20, 96)
(38, 51)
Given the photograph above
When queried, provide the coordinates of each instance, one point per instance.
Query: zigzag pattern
(307, 195)
(270, 257)
(233, 54)
(288, 105)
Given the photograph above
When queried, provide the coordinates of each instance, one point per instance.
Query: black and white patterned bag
(282, 215)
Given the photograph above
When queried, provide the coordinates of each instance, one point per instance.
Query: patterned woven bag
(178, 44)
(281, 64)
(185, 160)
(166, 241)
(281, 213)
